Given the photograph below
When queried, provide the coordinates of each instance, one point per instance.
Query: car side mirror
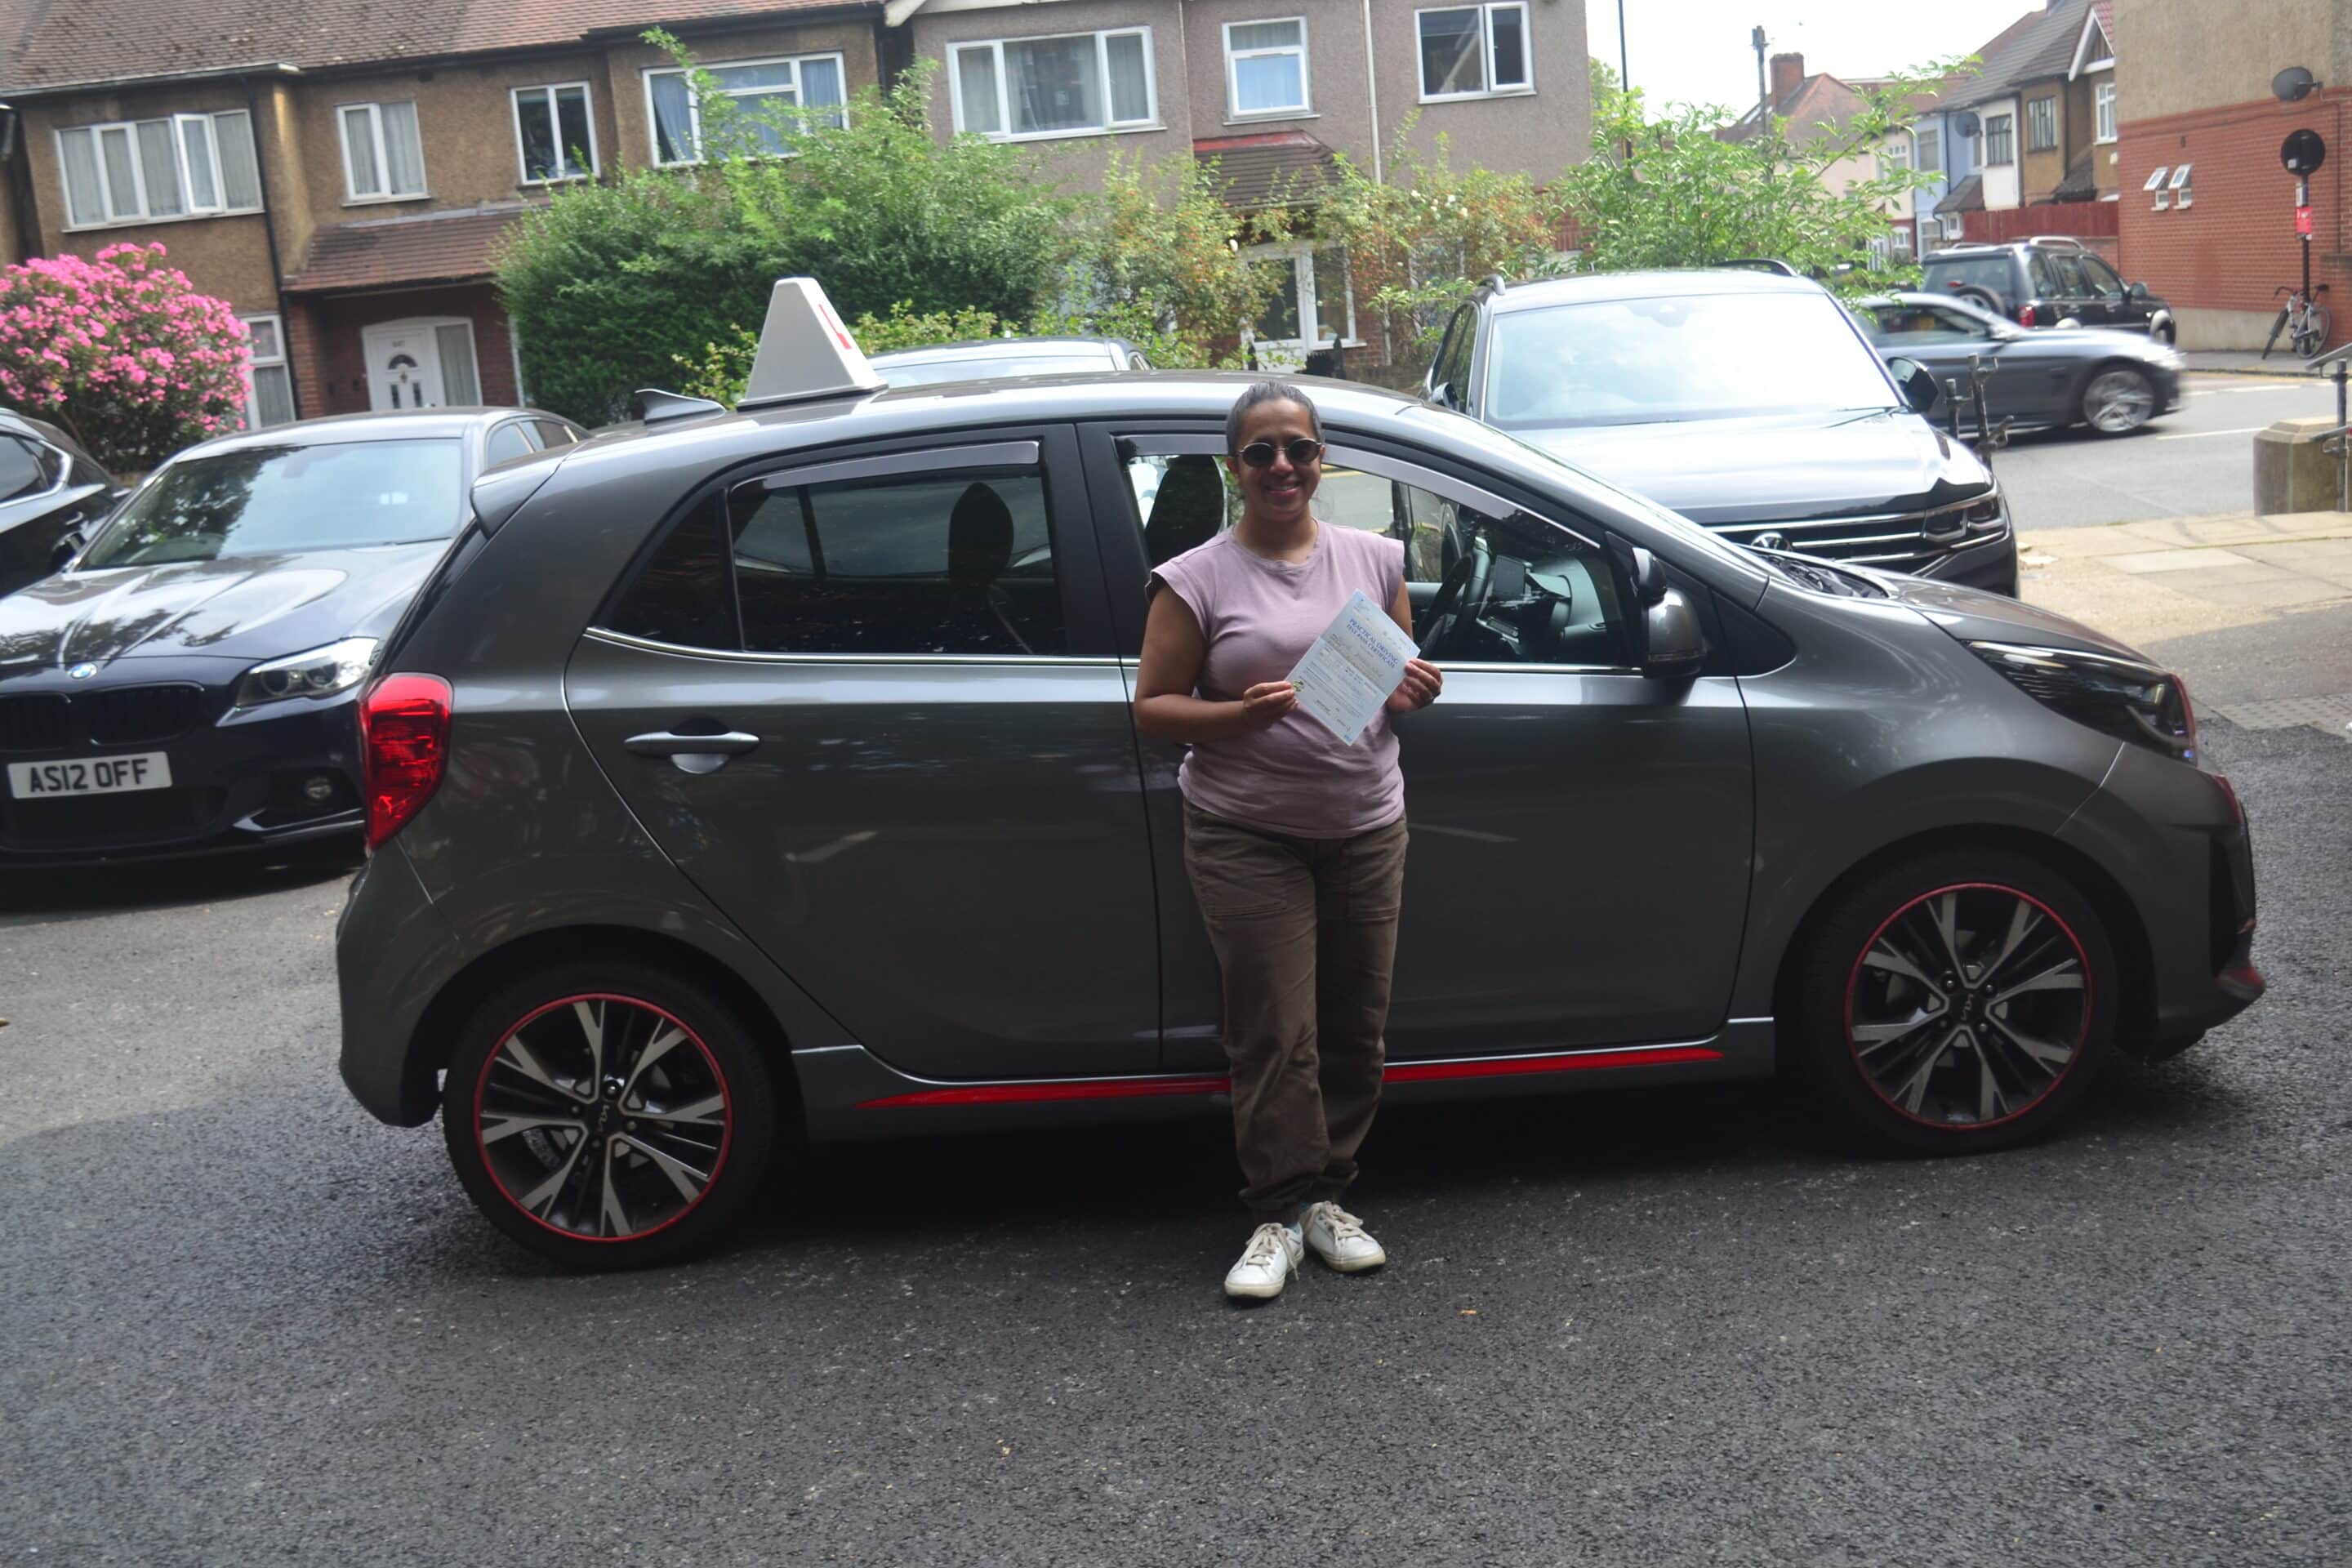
(1673, 644)
(2138, 291)
(65, 550)
(1649, 577)
(1919, 384)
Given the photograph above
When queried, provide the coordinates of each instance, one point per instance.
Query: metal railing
(2340, 438)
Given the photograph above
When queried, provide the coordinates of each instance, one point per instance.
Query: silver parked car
(989, 359)
(771, 774)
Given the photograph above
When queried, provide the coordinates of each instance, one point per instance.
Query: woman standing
(1294, 838)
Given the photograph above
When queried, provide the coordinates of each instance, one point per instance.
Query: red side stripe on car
(1410, 1072)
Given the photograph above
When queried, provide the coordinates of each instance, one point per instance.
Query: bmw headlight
(321, 672)
(2119, 697)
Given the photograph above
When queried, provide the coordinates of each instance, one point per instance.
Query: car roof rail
(805, 354)
(661, 407)
(2055, 239)
(1495, 282)
(1758, 264)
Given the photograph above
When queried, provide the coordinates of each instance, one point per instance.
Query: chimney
(1788, 71)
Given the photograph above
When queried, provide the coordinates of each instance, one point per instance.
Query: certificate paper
(1350, 669)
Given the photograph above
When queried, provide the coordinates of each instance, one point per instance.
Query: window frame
(2039, 110)
(1235, 113)
(2103, 113)
(1485, 9)
(1921, 162)
(1111, 126)
(694, 104)
(375, 107)
(180, 122)
(2008, 123)
(255, 362)
(2184, 192)
(555, 125)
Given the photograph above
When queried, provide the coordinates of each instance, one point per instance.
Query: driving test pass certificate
(1350, 669)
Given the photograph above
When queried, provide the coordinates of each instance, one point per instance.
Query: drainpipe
(269, 232)
(1372, 92)
(21, 206)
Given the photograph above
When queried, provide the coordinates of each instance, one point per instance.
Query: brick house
(2208, 210)
(1269, 92)
(2040, 123)
(1816, 105)
(343, 172)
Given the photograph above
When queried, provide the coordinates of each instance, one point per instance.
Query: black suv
(52, 496)
(1746, 400)
(2047, 282)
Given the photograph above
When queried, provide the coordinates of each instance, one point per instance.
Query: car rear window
(1990, 273)
(266, 500)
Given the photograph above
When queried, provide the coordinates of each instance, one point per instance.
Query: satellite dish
(1967, 124)
(2302, 152)
(2293, 85)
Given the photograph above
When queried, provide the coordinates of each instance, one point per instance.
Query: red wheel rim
(601, 1118)
(1969, 1006)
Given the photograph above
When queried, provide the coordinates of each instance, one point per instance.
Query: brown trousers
(1305, 930)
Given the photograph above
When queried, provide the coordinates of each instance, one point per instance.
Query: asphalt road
(2193, 463)
(244, 1323)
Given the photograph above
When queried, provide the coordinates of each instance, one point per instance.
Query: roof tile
(433, 248)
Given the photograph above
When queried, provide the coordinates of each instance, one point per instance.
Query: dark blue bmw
(185, 684)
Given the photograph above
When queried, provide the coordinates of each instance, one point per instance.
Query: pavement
(2251, 362)
(2256, 612)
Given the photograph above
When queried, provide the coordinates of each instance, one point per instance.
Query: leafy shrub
(120, 352)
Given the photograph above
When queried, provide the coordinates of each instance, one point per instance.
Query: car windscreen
(1684, 356)
(929, 372)
(265, 500)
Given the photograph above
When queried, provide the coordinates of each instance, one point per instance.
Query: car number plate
(90, 775)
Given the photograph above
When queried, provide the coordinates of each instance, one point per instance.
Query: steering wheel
(1462, 596)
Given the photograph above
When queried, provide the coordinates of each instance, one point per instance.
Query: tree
(120, 352)
(1671, 193)
(1416, 242)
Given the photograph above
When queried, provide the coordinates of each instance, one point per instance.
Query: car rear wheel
(1959, 1001)
(607, 1114)
(2118, 400)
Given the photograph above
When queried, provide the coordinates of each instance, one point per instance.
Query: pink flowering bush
(122, 352)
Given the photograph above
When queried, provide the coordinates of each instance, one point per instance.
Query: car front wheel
(607, 1114)
(2118, 400)
(1959, 1001)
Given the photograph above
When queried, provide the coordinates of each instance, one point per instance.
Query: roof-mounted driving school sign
(805, 351)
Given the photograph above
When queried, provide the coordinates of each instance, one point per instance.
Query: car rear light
(403, 746)
(2026, 315)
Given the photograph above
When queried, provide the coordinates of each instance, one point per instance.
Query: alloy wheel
(2118, 402)
(601, 1118)
(1968, 1006)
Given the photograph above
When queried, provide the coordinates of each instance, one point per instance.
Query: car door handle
(694, 753)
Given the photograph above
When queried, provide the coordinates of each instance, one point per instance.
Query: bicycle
(2305, 320)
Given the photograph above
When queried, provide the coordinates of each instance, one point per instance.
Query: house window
(2181, 189)
(1472, 51)
(2155, 186)
(2000, 140)
(2042, 125)
(268, 381)
(554, 132)
(383, 157)
(1931, 149)
(185, 165)
(2103, 97)
(1077, 84)
(754, 88)
(1951, 226)
(1265, 67)
(1894, 158)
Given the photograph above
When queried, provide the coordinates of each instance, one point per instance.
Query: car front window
(1680, 357)
(264, 500)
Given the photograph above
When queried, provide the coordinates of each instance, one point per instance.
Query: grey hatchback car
(771, 774)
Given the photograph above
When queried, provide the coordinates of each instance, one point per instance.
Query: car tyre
(608, 1114)
(2118, 399)
(1953, 1003)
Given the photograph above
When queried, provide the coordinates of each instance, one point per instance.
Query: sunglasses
(1301, 452)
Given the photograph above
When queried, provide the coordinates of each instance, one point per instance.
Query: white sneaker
(1266, 1264)
(1341, 1240)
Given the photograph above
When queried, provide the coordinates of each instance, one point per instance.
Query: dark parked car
(2112, 382)
(774, 772)
(988, 358)
(1745, 399)
(2046, 282)
(51, 494)
(187, 683)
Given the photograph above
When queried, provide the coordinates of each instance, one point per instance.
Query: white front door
(1311, 306)
(423, 363)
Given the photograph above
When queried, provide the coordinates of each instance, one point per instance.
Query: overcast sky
(1698, 50)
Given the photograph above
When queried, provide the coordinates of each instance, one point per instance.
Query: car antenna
(805, 353)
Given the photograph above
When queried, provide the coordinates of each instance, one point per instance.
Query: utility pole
(1624, 71)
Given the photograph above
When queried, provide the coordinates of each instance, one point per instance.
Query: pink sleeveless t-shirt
(1258, 617)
